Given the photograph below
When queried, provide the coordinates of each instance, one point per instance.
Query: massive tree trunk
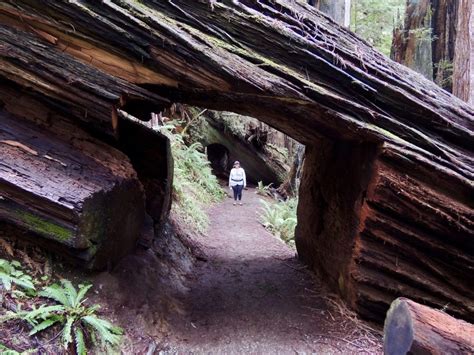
(386, 207)
(411, 328)
(70, 189)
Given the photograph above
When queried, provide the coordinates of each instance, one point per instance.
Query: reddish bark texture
(389, 151)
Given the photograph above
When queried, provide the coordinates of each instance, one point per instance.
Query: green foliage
(280, 219)
(76, 319)
(445, 73)
(12, 274)
(374, 20)
(263, 190)
(194, 185)
(4, 350)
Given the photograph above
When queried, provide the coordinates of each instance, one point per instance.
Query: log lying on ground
(416, 329)
(75, 192)
(295, 69)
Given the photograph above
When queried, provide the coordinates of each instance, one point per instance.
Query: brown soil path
(252, 295)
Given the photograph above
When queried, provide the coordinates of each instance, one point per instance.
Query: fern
(11, 274)
(194, 185)
(76, 319)
(280, 219)
(79, 340)
(263, 190)
(106, 331)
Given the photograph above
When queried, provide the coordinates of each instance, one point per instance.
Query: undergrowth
(262, 189)
(279, 218)
(60, 308)
(194, 185)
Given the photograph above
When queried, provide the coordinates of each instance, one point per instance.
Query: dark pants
(238, 192)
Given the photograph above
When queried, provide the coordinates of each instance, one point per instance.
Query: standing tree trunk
(471, 31)
(463, 52)
(444, 23)
(338, 10)
(411, 44)
(435, 41)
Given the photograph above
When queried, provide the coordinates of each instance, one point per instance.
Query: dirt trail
(252, 295)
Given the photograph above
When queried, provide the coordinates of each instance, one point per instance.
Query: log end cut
(417, 329)
(70, 192)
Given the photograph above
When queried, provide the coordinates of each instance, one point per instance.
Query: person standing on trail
(237, 182)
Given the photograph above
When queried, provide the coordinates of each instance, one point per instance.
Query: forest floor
(237, 289)
(249, 294)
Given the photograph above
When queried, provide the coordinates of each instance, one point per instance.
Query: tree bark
(444, 24)
(435, 41)
(338, 10)
(69, 190)
(471, 31)
(387, 185)
(416, 329)
(462, 52)
(411, 43)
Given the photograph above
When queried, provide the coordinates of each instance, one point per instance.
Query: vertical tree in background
(338, 10)
(435, 41)
(444, 32)
(471, 75)
(411, 45)
(463, 76)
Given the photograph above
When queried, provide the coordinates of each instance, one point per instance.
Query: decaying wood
(411, 328)
(395, 149)
(70, 190)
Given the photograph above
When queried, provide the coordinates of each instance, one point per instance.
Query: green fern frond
(57, 293)
(79, 340)
(46, 324)
(41, 313)
(70, 291)
(106, 331)
(82, 293)
(66, 338)
(6, 281)
(11, 274)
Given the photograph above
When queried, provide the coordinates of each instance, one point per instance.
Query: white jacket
(237, 177)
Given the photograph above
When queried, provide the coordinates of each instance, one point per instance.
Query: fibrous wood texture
(69, 190)
(416, 329)
(294, 68)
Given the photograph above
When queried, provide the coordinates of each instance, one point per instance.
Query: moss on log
(409, 201)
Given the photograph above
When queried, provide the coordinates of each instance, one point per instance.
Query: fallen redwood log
(72, 192)
(386, 198)
(416, 329)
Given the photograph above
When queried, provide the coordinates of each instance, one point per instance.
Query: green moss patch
(45, 227)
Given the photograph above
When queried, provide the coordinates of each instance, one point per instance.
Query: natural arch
(396, 149)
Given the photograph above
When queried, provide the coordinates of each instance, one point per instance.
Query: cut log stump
(75, 193)
(416, 329)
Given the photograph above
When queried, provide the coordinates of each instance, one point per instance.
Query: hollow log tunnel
(386, 205)
(219, 157)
